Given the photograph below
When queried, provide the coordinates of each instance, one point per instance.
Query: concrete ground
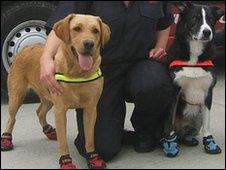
(32, 150)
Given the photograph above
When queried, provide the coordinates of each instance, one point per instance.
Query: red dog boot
(94, 161)
(50, 132)
(66, 162)
(6, 142)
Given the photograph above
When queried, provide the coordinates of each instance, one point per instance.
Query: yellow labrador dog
(77, 63)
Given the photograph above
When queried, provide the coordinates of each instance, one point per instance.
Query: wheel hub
(26, 33)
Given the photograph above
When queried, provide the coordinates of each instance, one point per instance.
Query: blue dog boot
(210, 146)
(170, 146)
(189, 140)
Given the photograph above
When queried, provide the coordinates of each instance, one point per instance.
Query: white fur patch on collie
(195, 83)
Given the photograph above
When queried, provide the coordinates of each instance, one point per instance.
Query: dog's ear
(61, 28)
(105, 32)
(217, 12)
(183, 5)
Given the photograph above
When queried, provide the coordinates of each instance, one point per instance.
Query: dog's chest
(194, 82)
(193, 77)
(81, 95)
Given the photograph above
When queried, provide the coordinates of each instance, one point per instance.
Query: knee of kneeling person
(161, 91)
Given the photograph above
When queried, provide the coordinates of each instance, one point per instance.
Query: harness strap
(70, 79)
(190, 103)
(179, 63)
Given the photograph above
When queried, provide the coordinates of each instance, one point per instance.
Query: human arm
(47, 64)
(158, 52)
(162, 33)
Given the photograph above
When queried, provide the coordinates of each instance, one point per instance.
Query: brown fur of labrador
(25, 72)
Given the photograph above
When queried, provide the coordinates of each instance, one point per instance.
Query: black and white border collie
(191, 67)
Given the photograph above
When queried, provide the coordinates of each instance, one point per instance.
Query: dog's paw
(189, 140)
(66, 162)
(170, 146)
(50, 132)
(94, 161)
(210, 146)
(68, 166)
(6, 142)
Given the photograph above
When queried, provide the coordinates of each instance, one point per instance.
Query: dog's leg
(48, 130)
(206, 121)
(65, 160)
(42, 110)
(208, 141)
(170, 118)
(61, 123)
(89, 119)
(17, 91)
(169, 142)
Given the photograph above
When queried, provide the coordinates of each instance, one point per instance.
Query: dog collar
(179, 63)
(70, 79)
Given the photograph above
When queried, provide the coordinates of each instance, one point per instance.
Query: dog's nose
(206, 33)
(88, 44)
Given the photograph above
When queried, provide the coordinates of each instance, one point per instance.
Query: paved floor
(34, 151)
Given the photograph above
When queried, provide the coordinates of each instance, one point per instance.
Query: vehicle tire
(22, 23)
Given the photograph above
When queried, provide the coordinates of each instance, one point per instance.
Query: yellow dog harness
(70, 79)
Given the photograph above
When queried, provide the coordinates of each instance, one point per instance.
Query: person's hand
(47, 75)
(157, 53)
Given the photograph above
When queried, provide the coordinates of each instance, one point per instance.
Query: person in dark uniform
(133, 69)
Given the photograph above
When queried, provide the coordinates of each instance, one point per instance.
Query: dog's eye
(77, 29)
(95, 31)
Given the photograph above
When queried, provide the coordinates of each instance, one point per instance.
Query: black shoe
(144, 145)
(140, 143)
(128, 137)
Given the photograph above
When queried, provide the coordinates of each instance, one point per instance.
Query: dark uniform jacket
(133, 29)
